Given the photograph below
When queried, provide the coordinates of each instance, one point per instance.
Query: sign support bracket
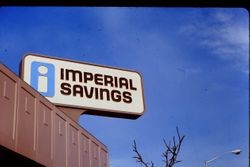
(73, 113)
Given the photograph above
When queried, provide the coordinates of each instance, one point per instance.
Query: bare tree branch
(139, 158)
(170, 154)
(172, 151)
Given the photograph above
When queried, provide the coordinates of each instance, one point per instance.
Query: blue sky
(194, 63)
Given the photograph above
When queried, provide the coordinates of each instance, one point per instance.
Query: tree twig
(170, 154)
(139, 158)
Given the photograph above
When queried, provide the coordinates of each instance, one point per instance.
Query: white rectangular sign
(83, 85)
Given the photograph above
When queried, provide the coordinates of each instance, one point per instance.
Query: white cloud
(225, 33)
(113, 19)
(222, 16)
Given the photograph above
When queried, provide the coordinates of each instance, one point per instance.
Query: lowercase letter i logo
(43, 78)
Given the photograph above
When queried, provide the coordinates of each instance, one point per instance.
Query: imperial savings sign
(100, 90)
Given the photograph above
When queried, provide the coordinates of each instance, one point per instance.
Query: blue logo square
(43, 78)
